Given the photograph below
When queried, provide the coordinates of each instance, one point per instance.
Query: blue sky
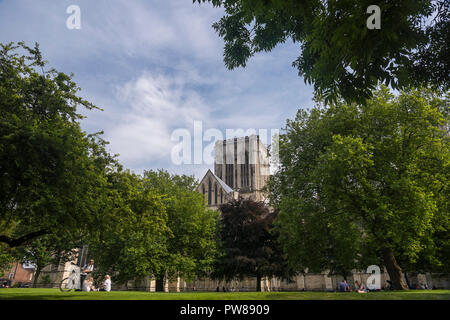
(153, 67)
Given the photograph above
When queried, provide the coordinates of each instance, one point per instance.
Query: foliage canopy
(340, 56)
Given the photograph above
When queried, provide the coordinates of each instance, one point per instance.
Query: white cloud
(155, 66)
(155, 105)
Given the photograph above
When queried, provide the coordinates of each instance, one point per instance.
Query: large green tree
(248, 244)
(52, 173)
(376, 173)
(338, 53)
(191, 245)
(155, 224)
(132, 242)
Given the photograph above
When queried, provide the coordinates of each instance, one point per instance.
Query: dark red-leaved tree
(247, 243)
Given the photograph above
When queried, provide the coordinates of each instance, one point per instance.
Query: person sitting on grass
(88, 285)
(360, 288)
(86, 271)
(371, 287)
(343, 286)
(106, 284)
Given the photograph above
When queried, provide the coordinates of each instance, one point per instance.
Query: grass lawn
(55, 294)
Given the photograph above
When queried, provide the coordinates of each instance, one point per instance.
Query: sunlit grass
(55, 294)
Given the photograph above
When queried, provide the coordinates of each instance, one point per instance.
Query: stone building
(241, 169)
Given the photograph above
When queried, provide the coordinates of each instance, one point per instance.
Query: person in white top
(107, 283)
(87, 285)
(86, 271)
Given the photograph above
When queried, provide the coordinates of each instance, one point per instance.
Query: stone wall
(308, 282)
(302, 282)
(435, 280)
(52, 275)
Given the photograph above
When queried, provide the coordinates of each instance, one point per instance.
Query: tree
(51, 172)
(132, 242)
(381, 167)
(315, 243)
(339, 54)
(192, 245)
(6, 253)
(47, 250)
(6, 259)
(157, 225)
(248, 246)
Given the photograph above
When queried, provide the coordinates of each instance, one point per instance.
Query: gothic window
(215, 194)
(209, 192)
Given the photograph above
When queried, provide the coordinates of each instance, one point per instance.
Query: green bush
(46, 280)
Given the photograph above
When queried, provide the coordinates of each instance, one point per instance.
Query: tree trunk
(36, 276)
(258, 283)
(407, 280)
(393, 269)
(159, 283)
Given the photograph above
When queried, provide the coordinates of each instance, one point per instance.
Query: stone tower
(241, 169)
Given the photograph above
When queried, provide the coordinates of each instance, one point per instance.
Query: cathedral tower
(241, 169)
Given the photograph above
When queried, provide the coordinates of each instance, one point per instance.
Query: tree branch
(11, 242)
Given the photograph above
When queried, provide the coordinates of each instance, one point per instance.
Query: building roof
(226, 187)
(223, 184)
